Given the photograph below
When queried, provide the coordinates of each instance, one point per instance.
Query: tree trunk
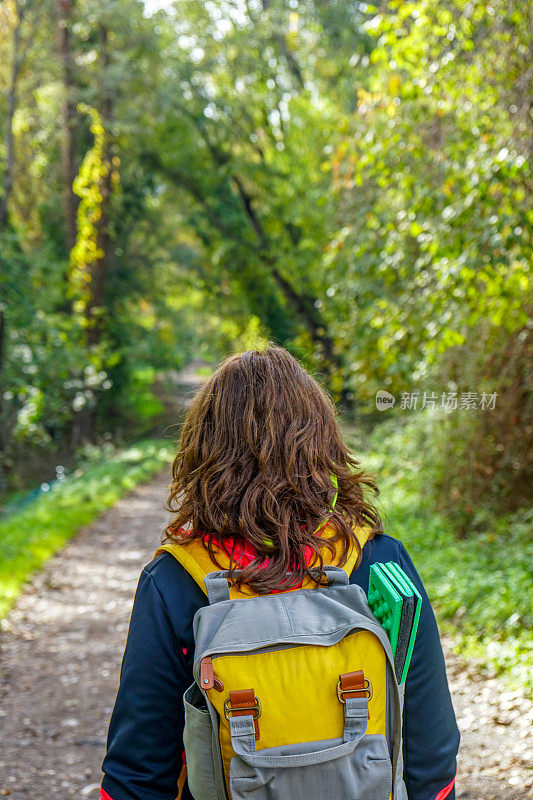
(84, 428)
(16, 63)
(99, 268)
(68, 156)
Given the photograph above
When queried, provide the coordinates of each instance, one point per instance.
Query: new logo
(384, 400)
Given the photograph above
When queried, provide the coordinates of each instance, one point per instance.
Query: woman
(254, 481)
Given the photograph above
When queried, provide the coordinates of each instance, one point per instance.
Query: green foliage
(87, 185)
(349, 180)
(433, 186)
(481, 460)
(31, 536)
(141, 405)
(481, 588)
(46, 373)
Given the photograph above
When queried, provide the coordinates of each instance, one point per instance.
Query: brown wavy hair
(257, 449)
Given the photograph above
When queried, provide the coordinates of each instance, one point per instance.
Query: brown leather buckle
(353, 684)
(367, 690)
(228, 708)
(242, 702)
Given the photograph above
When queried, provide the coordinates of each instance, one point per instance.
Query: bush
(481, 585)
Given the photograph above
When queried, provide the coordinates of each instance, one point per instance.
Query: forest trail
(62, 646)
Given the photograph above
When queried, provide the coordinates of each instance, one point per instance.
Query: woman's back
(253, 483)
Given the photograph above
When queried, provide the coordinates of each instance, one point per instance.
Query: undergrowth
(480, 584)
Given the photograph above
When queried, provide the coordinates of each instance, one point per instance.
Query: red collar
(245, 553)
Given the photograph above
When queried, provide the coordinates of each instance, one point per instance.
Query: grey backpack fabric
(354, 766)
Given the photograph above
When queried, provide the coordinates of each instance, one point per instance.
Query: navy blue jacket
(145, 741)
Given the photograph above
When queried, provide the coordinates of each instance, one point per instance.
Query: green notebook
(385, 602)
(396, 604)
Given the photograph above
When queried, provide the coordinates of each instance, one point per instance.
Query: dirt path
(61, 651)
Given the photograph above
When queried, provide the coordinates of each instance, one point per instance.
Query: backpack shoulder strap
(195, 558)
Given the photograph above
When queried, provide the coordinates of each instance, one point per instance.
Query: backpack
(294, 695)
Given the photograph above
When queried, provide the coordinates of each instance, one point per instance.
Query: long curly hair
(257, 452)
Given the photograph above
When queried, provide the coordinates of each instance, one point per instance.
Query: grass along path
(28, 538)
